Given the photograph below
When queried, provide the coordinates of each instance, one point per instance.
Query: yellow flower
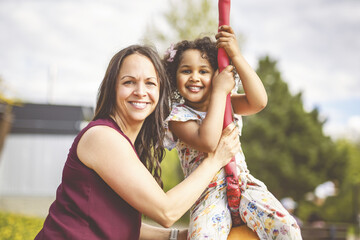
(269, 224)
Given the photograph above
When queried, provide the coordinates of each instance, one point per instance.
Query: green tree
(342, 207)
(284, 145)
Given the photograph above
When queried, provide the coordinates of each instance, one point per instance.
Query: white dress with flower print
(210, 216)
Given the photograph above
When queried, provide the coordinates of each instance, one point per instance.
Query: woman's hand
(228, 146)
(226, 39)
(224, 81)
(182, 234)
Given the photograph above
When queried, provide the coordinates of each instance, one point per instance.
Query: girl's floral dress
(210, 216)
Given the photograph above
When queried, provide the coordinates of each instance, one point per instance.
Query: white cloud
(78, 37)
(316, 45)
(350, 130)
(353, 128)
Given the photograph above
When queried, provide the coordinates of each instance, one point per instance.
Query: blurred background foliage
(19, 227)
(284, 144)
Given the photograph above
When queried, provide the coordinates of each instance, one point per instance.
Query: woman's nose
(140, 89)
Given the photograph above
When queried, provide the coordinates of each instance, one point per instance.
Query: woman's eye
(128, 82)
(151, 83)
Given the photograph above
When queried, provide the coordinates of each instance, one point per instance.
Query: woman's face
(138, 88)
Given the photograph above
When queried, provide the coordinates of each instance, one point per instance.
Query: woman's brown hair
(149, 143)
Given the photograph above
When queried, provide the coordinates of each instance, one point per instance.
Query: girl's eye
(185, 71)
(203, 71)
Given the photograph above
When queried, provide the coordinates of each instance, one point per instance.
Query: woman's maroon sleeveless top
(85, 206)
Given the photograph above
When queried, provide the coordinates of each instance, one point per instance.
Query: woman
(105, 186)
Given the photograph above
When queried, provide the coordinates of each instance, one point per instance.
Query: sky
(57, 51)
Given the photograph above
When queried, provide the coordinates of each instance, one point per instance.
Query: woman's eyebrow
(126, 76)
(133, 77)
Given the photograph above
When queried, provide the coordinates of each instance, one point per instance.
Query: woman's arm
(148, 232)
(205, 136)
(112, 157)
(255, 97)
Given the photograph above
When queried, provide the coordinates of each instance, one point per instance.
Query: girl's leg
(265, 215)
(213, 225)
(210, 218)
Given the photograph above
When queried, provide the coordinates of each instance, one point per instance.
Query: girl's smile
(194, 89)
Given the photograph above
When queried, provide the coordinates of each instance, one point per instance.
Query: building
(36, 149)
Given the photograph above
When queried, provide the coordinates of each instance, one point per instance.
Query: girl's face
(193, 79)
(137, 90)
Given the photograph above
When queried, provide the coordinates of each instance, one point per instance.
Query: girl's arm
(205, 136)
(112, 157)
(255, 97)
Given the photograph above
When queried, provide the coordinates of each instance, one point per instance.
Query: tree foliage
(285, 145)
(345, 206)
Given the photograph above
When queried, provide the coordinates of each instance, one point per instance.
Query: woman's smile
(138, 104)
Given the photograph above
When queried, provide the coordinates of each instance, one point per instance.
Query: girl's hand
(227, 147)
(226, 39)
(224, 81)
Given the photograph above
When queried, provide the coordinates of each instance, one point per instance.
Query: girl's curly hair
(205, 45)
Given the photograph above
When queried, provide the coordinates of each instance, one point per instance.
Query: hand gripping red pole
(232, 178)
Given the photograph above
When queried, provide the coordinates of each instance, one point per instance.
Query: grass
(19, 227)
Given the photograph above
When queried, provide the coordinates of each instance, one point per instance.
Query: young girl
(195, 125)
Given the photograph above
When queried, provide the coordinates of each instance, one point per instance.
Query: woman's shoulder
(99, 138)
(99, 125)
(98, 132)
(101, 132)
(109, 122)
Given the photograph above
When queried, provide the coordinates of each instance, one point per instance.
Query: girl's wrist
(219, 93)
(236, 56)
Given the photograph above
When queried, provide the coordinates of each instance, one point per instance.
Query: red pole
(232, 178)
